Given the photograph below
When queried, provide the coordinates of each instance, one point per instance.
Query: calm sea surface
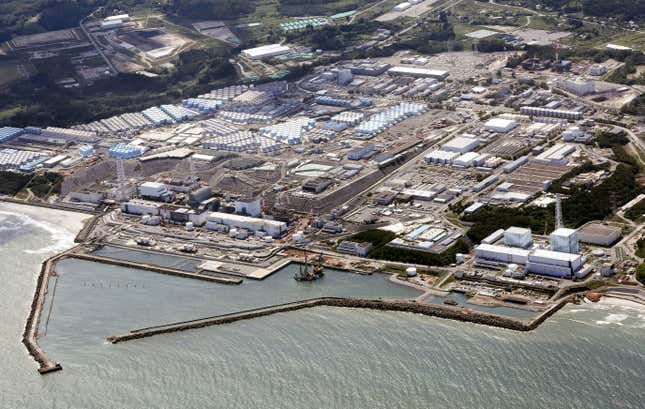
(590, 356)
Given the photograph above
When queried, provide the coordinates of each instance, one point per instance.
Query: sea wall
(440, 311)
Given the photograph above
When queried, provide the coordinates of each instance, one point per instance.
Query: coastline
(464, 314)
(75, 221)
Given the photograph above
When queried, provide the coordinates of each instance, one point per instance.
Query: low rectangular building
(354, 248)
(400, 70)
(502, 254)
(266, 51)
(599, 234)
(273, 228)
(554, 263)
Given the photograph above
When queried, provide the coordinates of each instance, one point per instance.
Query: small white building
(402, 6)
(598, 70)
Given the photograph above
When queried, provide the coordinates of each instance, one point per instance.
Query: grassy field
(9, 72)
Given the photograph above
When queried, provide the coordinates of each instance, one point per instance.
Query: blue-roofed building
(157, 116)
(178, 112)
(8, 133)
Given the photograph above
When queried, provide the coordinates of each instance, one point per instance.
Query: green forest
(381, 251)
(625, 9)
(581, 206)
(40, 184)
(39, 98)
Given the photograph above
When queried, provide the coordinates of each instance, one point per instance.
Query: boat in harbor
(310, 272)
(448, 301)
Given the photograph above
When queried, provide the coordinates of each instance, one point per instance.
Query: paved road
(95, 43)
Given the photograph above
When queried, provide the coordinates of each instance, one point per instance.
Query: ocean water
(588, 356)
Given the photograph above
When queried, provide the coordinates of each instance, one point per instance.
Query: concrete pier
(448, 312)
(156, 269)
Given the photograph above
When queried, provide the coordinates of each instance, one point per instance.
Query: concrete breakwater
(29, 336)
(440, 311)
(156, 269)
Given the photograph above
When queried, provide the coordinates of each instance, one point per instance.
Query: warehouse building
(461, 144)
(418, 72)
(500, 125)
(8, 133)
(599, 234)
(266, 51)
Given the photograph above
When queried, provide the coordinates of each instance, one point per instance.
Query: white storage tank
(411, 271)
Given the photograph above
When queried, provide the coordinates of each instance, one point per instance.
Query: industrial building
(599, 234)
(17, 159)
(461, 144)
(579, 87)
(518, 237)
(502, 254)
(493, 237)
(538, 261)
(553, 113)
(557, 154)
(500, 125)
(249, 206)
(564, 240)
(553, 263)
(362, 152)
(418, 72)
(266, 51)
(155, 191)
(402, 6)
(7, 133)
(354, 248)
(271, 227)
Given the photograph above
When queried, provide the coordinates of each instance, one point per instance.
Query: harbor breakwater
(447, 312)
(30, 334)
